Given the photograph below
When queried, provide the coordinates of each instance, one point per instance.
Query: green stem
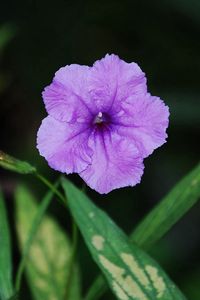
(73, 258)
(52, 187)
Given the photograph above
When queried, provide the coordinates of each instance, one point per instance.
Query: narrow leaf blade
(6, 286)
(49, 256)
(130, 272)
(169, 211)
(12, 164)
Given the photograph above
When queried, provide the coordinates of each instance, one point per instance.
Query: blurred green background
(163, 37)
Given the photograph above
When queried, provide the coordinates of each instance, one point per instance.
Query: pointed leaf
(169, 211)
(160, 220)
(130, 272)
(10, 163)
(48, 261)
(6, 287)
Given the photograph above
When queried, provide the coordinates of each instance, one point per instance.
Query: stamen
(100, 115)
(99, 118)
(102, 120)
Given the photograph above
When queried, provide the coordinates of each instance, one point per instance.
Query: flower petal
(112, 79)
(111, 168)
(145, 119)
(64, 145)
(66, 98)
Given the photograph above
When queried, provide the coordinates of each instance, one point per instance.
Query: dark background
(163, 37)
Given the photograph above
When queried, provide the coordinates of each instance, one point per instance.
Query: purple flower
(102, 123)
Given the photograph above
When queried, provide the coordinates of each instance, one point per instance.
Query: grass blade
(169, 211)
(6, 287)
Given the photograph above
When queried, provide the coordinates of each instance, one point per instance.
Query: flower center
(101, 120)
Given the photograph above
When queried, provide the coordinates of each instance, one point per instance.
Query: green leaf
(10, 163)
(6, 287)
(130, 272)
(169, 211)
(160, 220)
(41, 210)
(48, 261)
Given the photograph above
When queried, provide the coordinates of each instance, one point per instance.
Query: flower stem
(44, 180)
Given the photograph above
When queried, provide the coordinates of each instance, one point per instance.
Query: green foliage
(130, 272)
(169, 211)
(10, 163)
(42, 207)
(6, 287)
(47, 264)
